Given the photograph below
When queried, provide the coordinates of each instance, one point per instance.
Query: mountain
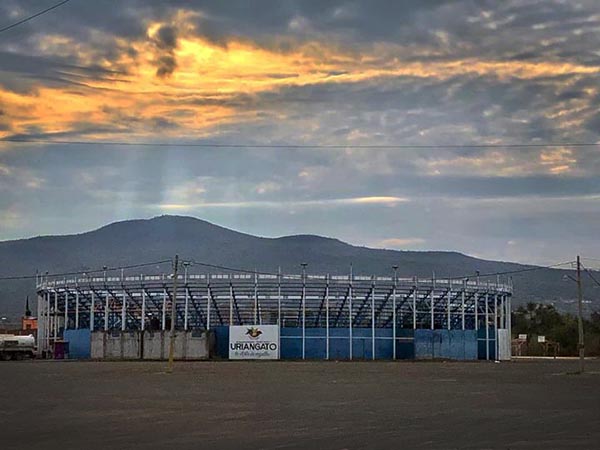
(140, 241)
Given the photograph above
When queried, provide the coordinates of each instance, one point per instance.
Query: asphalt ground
(282, 405)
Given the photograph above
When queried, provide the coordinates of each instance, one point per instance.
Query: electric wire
(304, 146)
(27, 19)
(84, 272)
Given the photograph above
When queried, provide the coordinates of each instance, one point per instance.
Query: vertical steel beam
(143, 324)
(304, 311)
(279, 297)
(66, 319)
(327, 317)
(123, 310)
(208, 301)
(449, 293)
(496, 323)
(77, 309)
(462, 303)
(373, 318)
(433, 301)
(414, 302)
(55, 314)
(394, 319)
(106, 307)
(476, 302)
(487, 326)
(230, 301)
(92, 307)
(186, 306)
(255, 298)
(350, 295)
(164, 310)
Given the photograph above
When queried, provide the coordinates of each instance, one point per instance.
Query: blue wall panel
(470, 344)
(423, 344)
(410, 344)
(222, 341)
(79, 343)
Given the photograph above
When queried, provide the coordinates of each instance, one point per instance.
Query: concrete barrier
(151, 345)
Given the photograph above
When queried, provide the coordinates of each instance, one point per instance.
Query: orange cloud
(194, 98)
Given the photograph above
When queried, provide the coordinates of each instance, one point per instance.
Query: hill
(137, 241)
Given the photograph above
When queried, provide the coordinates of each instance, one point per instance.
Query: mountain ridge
(142, 240)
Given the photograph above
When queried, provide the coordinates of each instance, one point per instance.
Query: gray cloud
(505, 204)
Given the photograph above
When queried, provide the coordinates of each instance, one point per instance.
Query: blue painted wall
(79, 343)
(410, 344)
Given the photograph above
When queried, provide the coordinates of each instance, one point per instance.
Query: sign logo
(253, 332)
(254, 342)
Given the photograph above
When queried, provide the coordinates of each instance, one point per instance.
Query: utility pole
(580, 317)
(173, 316)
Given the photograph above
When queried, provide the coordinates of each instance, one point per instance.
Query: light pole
(173, 316)
(581, 339)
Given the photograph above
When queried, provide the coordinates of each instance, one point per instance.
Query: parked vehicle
(16, 347)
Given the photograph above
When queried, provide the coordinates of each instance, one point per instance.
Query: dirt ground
(324, 405)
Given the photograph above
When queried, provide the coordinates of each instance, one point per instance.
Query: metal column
(77, 309)
(123, 310)
(373, 319)
(327, 317)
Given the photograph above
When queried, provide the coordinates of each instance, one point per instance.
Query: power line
(240, 270)
(82, 272)
(590, 274)
(302, 146)
(27, 19)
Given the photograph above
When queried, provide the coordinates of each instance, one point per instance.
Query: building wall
(150, 345)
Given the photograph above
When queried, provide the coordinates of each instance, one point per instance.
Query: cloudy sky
(325, 73)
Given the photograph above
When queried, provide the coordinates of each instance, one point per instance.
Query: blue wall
(79, 343)
(410, 344)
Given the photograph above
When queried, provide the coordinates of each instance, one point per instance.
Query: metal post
(327, 317)
(255, 298)
(106, 307)
(230, 302)
(173, 316)
(432, 301)
(449, 293)
(487, 326)
(208, 299)
(66, 323)
(41, 325)
(350, 294)
(123, 310)
(92, 306)
(496, 324)
(76, 308)
(581, 343)
(303, 310)
(164, 310)
(279, 296)
(414, 302)
(373, 318)
(462, 303)
(394, 312)
(143, 324)
(187, 300)
(55, 315)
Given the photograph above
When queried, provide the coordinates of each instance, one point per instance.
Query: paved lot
(326, 405)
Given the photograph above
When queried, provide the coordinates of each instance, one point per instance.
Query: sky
(456, 73)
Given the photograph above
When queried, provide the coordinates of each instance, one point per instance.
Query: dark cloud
(499, 203)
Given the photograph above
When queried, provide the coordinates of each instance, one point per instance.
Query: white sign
(522, 337)
(541, 339)
(254, 342)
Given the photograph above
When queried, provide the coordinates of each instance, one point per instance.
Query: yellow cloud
(194, 98)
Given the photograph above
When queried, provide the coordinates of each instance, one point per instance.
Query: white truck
(16, 347)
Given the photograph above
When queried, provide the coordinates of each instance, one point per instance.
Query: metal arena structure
(374, 313)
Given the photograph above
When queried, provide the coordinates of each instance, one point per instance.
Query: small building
(28, 322)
